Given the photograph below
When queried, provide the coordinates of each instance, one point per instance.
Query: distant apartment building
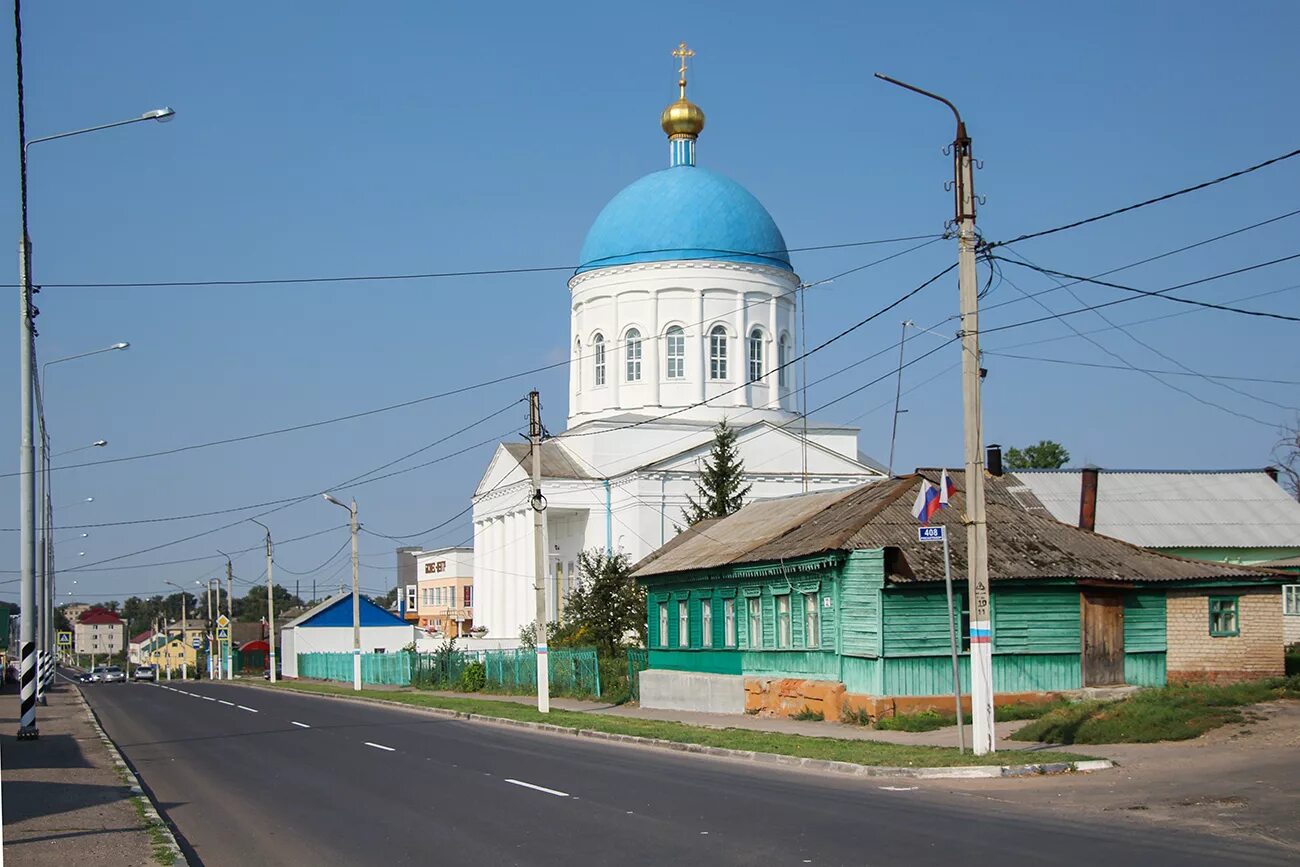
(445, 591)
(99, 630)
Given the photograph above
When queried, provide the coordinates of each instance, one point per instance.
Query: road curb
(150, 808)
(963, 772)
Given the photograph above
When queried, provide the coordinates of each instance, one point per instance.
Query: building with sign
(682, 313)
(445, 591)
(99, 631)
(831, 599)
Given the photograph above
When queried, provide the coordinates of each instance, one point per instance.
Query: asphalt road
(251, 776)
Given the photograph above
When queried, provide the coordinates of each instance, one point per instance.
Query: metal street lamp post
(27, 727)
(356, 595)
(185, 622)
(270, 603)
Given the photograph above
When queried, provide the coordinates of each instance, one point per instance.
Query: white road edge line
(381, 747)
(226, 703)
(300, 725)
(554, 792)
(249, 709)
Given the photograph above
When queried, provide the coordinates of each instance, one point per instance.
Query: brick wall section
(1194, 656)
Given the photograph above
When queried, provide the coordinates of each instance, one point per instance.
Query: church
(683, 312)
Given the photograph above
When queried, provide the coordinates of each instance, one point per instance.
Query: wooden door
(1103, 638)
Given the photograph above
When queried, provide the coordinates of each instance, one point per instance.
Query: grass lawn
(861, 752)
(930, 720)
(1171, 713)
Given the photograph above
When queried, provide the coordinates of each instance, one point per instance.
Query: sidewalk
(65, 803)
(944, 737)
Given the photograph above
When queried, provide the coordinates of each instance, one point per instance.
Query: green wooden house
(822, 599)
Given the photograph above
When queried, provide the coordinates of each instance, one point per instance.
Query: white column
(521, 538)
(740, 397)
(702, 348)
(614, 358)
(653, 350)
(499, 587)
(773, 357)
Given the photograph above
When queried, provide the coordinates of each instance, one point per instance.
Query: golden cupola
(682, 119)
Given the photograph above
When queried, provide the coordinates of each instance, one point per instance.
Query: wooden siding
(861, 676)
(807, 664)
(1144, 624)
(916, 623)
(709, 661)
(1144, 669)
(923, 675)
(862, 579)
(1037, 621)
(1034, 672)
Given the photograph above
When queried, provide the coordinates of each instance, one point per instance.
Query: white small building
(99, 630)
(327, 628)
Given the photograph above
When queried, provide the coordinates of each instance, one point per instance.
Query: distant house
(827, 598)
(327, 628)
(97, 631)
(1222, 516)
(135, 647)
(445, 591)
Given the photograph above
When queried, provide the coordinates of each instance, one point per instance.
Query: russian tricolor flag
(927, 502)
(947, 487)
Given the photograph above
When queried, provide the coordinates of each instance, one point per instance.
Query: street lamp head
(90, 499)
(162, 115)
(330, 499)
(99, 443)
(122, 345)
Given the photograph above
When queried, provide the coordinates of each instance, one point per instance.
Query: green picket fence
(638, 660)
(573, 671)
(387, 669)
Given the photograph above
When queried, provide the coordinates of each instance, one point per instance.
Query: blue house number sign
(929, 534)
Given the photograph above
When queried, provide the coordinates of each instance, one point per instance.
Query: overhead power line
(1074, 363)
(1163, 198)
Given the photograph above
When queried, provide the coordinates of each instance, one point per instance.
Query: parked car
(95, 675)
(146, 672)
(113, 674)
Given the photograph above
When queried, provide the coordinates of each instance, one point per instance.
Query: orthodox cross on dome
(681, 51)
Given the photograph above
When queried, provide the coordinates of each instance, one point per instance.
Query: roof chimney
(1088, 498)
(993, 459)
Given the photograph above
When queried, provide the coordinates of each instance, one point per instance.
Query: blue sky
(367, 139)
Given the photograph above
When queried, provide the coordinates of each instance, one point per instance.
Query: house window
(755, 622)
(706, 623)
(755, 355)
(718, 353)
(469, 597)
(632, 350)
(729, 622)
(1223, 616)
(410, 597)
(683, 624)
(676, 349)
(783, 620)
(812, 632)
(783, 359)
(598, 353)
(663, 624)
(1291, 600)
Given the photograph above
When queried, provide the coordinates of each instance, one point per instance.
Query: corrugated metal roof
(1208, 509)
(1024, 543)
(556, 462)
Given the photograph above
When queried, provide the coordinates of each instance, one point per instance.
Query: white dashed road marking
(554, 792)
(249, 709)
(226, 703)
(381, 747)
(208, 698)
(300, 725)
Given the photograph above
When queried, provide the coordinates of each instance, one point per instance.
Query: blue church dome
(684, 212)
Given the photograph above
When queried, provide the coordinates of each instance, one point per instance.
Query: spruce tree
(720, 489)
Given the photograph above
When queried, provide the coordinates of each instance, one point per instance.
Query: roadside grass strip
(860, 752)
(1171, 713)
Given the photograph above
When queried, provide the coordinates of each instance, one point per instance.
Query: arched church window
(718, 353)
(632, 351)
(598, 354)
(755, 355)
(783, 359)
(676, 348)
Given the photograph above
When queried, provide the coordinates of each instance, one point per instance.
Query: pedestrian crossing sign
(223, 621)
(223, 633)
(65, 639)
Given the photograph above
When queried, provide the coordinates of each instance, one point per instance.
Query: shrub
(807, 714)
(1293, 660)
(925, 721)
(854, 716)
(614, 685)
(473, 678)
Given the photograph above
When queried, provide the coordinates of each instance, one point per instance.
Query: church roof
(556, 462)
(684, 213)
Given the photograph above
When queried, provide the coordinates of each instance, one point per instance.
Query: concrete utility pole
(211, 635)
(185, 622)
(898, 396)
(270, 602)
(539, 551)
(356, 593)
(230, 612)
(977, 555)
